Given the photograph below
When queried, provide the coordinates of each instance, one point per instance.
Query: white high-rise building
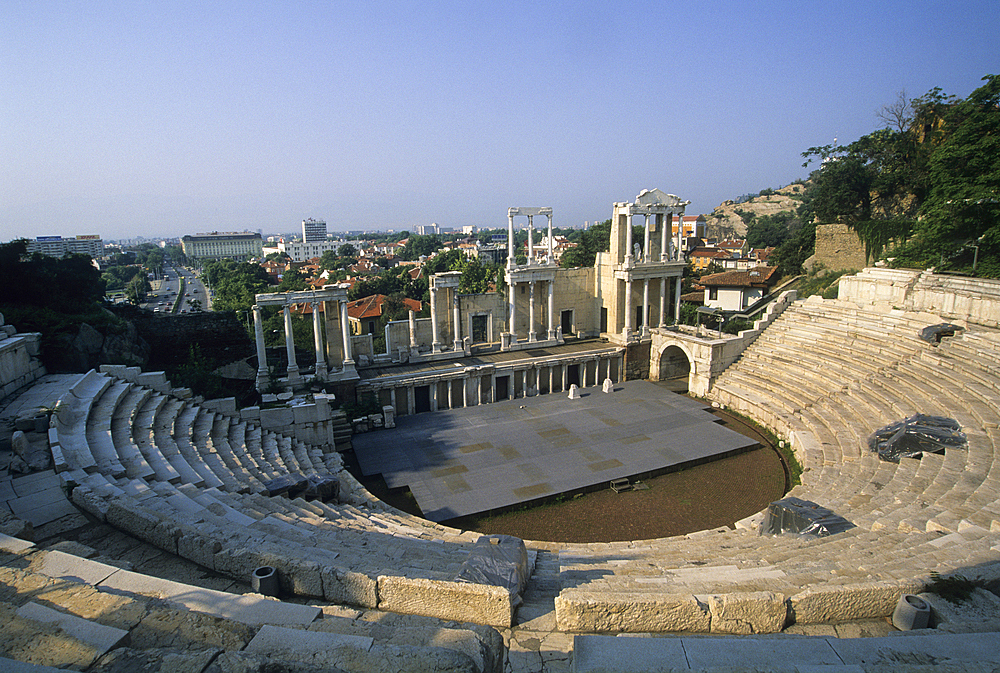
(313, 231)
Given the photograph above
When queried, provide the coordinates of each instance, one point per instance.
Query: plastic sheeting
(912, 436)
(803, 517)
(498, 560)
(934, 333)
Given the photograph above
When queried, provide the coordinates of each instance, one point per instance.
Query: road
(163, 297)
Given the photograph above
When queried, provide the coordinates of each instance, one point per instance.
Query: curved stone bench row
(234, 534)
(62, 610)
(914, 517)
(382, 560)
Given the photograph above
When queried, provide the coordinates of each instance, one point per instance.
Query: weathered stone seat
(823, 380)
(136, 621)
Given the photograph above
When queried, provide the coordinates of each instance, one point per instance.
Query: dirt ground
(705, 496)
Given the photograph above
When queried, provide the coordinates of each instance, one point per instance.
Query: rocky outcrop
(88, 348)
(725, 222)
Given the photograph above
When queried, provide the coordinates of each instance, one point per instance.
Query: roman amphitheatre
(191, 505)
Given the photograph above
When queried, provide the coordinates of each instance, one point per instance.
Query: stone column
(258, 332)
(411, 399)
(436, 346)
(510, 241)
(663, 302)
(346, 333)
(628, 307)
(677, 299)
(552, 378)
(524, 382)
(392, 400)
(531, 242)
(645, 239)
(532, 335)
(456, 320)
(667, 222)
(680, 234)
(565, 377)
(318, 341)
(413, 334)
(645, 308)
(479, 389)
(629, 259)
(434, 385)
(465, 390)
(512, 289)
(493, 386)
(293, 368)
(552, 310)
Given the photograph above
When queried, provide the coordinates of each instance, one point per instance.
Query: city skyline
(172, 118)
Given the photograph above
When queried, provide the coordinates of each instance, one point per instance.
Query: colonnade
(643, 264)
(472, 386)
(324, 299)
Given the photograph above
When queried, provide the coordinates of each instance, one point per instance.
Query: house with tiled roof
(702, 257)
(736, 290)
(364, 314)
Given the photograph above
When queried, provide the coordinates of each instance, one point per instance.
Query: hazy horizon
(170, 118)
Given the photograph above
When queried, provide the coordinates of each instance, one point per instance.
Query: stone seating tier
(133, 621)
(824, 375)
(319, 550)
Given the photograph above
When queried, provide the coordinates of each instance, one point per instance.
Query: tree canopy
(927, 186)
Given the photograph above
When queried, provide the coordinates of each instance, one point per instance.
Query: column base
(532, 336)
(436, 347)
(349, 370)
(458, 346)
(552, 335)
(263, 380)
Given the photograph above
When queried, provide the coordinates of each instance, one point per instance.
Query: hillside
(724, 221)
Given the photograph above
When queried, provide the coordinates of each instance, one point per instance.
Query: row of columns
(645, 303)
(512, 310)
(292, 371)
(404, 392)
(457, 343)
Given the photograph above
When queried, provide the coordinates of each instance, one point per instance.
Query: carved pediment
(656, 197)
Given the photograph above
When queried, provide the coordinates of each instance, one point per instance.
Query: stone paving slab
(247, 608)
(14, 666)
(102, 638)
(628, 654)
(303, 643)
(485, 457)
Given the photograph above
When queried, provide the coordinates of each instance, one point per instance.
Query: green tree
(964, 200)
(347, 250)
(421, 246)
(592, 241)
(136, 289)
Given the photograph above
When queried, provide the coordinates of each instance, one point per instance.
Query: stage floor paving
(471, 460)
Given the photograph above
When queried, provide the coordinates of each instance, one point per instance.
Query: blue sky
(167, 118)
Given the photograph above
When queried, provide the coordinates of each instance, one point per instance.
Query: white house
(736, 290)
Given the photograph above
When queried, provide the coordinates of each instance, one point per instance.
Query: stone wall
(19, 358)
(976, 300)
(574, 290)
(637, 361)
(838, 248)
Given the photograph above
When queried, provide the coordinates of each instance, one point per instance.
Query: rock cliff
(725, 222)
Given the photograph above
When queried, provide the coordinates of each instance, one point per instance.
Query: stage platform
(490, 456)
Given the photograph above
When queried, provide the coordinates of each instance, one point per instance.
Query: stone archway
(675, 368)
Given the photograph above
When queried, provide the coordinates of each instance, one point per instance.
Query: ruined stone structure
(838, 248)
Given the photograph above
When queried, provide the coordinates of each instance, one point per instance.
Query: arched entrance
(675, 368)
